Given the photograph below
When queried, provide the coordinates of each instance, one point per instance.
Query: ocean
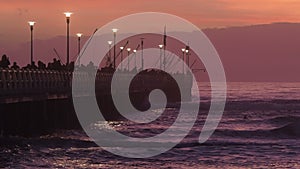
(260, 128)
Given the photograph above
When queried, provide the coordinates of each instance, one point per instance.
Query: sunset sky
(263, 47)
(90, 14)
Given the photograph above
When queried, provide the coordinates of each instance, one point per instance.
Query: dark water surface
(260, 128)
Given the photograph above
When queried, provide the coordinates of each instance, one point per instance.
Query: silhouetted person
(49, 66)
(82, 67)
(90, 66)
(27, 66)
(55, 65)
(41, 65)
(15, 66)
(4, 62)
(70, 66)
(33, 66)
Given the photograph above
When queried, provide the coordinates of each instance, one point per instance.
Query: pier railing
(35, 84)
(26, 81)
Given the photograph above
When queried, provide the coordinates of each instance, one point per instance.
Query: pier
(37, 101)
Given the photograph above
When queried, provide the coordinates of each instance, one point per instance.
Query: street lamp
(183, 50)
(121, 48)
(114, 30)
(31, 24)
(160, 55)
(187, 56)
(109, 46)
(187, 48)
(142, 52)
(68, 15)
(79, 37)
(134, 51)
(128, 52)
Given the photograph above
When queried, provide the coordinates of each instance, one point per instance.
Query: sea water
(260, 128)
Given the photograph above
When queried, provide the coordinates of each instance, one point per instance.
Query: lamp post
(115, 35)
(79, 38)
(109, 46)
(128, 52)
(134, 51)
(187, 56)
(183, 50)
(165, 45)
(187, 51)
(31, 24)
(68, 15)
(121, 48)
(142, 53)
(160, 55)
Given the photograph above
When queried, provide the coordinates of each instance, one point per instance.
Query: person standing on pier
(4, 63)
(15, 66)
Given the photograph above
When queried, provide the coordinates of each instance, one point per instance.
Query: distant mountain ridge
(269, 52)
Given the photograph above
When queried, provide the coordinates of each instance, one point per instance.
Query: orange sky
(90, 14)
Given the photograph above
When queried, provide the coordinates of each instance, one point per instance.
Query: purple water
(260, 128)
